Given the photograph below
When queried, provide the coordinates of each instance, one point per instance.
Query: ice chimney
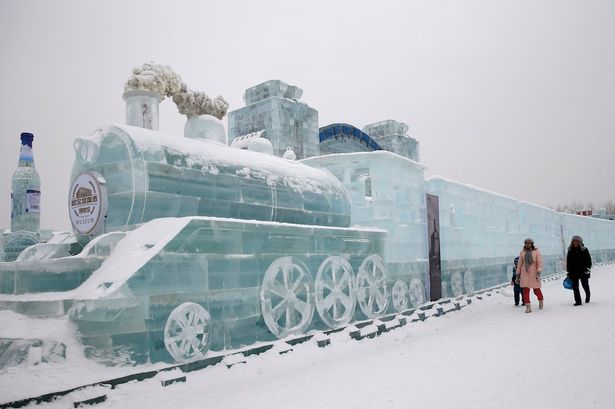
(142, 108)
(149, 84)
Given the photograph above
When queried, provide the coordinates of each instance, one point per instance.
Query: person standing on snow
(578, 265)
(530, 267)
(514, 281)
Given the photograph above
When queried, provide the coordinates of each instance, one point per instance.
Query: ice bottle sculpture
(26, 190)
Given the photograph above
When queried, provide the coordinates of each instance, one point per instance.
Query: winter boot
(528, 307)
(541, 304)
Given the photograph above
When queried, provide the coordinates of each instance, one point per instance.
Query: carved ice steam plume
(162, 80)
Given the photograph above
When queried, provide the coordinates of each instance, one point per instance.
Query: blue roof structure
(346, 130)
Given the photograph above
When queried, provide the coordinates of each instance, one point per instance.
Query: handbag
(567, 283)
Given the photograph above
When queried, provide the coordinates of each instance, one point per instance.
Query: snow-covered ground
(488, 355)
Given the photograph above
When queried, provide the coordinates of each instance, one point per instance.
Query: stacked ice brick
(393, 136)
(274, 107)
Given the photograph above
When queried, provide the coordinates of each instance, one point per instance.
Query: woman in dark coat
(578, 264)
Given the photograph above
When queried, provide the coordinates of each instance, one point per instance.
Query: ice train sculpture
(270, 228)
(185, 246)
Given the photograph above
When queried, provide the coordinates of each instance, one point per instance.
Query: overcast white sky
(514, 96)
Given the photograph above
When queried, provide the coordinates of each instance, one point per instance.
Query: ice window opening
(367, 186)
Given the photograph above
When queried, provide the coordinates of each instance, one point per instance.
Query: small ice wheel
(468, 281)
(371, 287)
(186, 333)
(287, 297)
(456, 284)
(417, 292)
(399, 295)
(335, 296)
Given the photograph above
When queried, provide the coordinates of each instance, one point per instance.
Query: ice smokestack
(204, 115)
(150, 83)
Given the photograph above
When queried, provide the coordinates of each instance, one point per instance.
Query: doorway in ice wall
(433, 232)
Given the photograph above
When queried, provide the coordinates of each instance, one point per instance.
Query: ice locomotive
(271, 254)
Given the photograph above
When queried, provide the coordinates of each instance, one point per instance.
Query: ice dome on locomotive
(143, 175)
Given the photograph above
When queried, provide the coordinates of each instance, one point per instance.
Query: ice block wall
(598, 235)
(481, 233)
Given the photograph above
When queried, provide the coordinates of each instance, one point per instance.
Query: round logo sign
(87, 203)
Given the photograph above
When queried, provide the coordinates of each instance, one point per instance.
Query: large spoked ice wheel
(187, 332)
(417, 292)
(335, 296)
(371, 287)
(399, 295)
(468, 281)
(456, 284)
(287, 297)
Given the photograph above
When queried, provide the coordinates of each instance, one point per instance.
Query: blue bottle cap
(27, 138)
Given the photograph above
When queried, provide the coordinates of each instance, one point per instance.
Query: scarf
(527, 258)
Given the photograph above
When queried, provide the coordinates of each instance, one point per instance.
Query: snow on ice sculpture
(43, 281)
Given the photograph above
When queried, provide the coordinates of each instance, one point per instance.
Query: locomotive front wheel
(371, 287)
(417, 292)
(335, 296)
(399, 294)
(287, 297)
(186, 333)
(456, 284)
